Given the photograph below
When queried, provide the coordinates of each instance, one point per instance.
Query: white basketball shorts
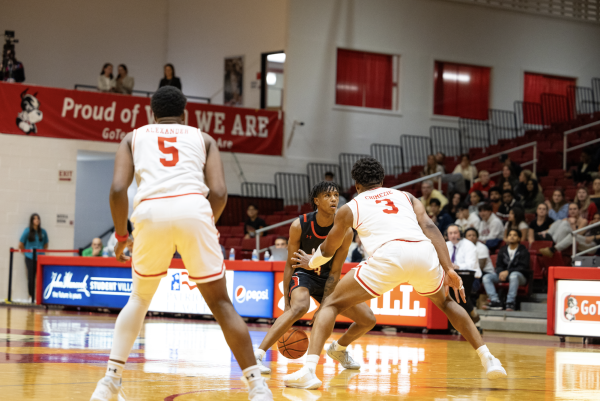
(397, 262)
(184, 224)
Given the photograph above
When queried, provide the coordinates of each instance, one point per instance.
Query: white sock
(114, 371)
(337, 347)
(312, 361)
(260, 354)
(483, 352)
(252, 374)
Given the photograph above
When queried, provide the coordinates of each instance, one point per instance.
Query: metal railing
(495, 155)
(583, 145)
(390, 157)
(415, 149)
(346, 161)
(555, 109)
(583, 229)
(145, 93)
(283, 223)
(292, 187)
(503, 124)
(259, 190)
(528, 116)
(447, 140)
(316, 172)
(475, 133)
(582, 98)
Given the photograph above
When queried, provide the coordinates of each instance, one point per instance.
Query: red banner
(70, 114)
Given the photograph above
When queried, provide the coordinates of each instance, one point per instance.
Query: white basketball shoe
(107, 390)
(493, 367)
(343, 357)
(304, 378)
(263, 369)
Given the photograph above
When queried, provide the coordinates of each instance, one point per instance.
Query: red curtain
(461, 90)
(536, 84)
(364, 79)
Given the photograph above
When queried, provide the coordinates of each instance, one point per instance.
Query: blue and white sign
(107, 287)
(253, 294)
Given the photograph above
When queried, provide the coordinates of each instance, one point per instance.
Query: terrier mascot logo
(30, 113)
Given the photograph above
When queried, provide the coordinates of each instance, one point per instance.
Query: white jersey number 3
(390, 204)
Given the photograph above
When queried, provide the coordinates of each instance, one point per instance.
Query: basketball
(293, 344)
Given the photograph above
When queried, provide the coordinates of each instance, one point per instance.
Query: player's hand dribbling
(119, 249)
(453, 280)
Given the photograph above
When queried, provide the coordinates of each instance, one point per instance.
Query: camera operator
(11, 70)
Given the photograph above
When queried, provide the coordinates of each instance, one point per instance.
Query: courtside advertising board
(577, 308)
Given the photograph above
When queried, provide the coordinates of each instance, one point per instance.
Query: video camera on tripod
(10, 69)
(9, 44)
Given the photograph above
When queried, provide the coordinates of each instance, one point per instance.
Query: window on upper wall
(366, 79)
(461, 90)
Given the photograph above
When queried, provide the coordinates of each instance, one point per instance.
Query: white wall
(68, 41)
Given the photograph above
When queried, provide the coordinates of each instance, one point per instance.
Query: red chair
(273, 219)
(291, 209)
(537, 245)
(224, 230)
(237, 231)
(529, 217)
(524, 290)
(564, 182)
(248, 244)
(232, 242)
(546, 182)
(570, 193)
(556, 173)
(267, 241)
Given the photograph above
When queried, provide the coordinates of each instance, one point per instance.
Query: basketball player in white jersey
(181, 193)
(405, 247)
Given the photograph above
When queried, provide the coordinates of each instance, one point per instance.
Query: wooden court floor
(51, 355)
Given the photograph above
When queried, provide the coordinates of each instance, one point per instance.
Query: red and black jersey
(314, 235)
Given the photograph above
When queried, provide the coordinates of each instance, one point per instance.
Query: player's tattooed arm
(433, 233)
(215, 177)
(293, 246)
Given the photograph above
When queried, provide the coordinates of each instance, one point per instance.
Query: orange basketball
(293, 344)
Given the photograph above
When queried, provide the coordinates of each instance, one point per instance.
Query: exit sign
(65, 175)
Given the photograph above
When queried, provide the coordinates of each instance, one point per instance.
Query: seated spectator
(533, 196)
(483, 256)
(592, 236)
(328, 176)
(538, 228)
(484, 184)
(466, 169)
(516, 221)
(463, 255)
(512, 265)
(430, 193)
(106, 83)
(508, 202)
(490, 227)
(11, 70)
(595, 197)
(94, 250)
(441, 220)
(587, 208)
(170, 79)
(582, 173)
(431, 167)
(124, 83)
(466, 219)
(456, 182)
(561, 232)
(514, 167)
(452, 207)
(558, 207)
(279, 250)
(507, 176)
(507, 186)
(253, 222)
(475, 200)
(520, 190)
(495, 199)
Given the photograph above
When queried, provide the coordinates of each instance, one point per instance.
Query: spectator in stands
(455, 181)
(95, 250)
(558, 208)
(516, 221)
(586, 166)
(281, 243)
(476, 200)
(432, 167)
(508, 202)
(466, 219)
(483, 256)
(538, 228)
(595, 197)
(495, 199)
(124, 83)
(592, 236)
(520, 190)
(512, 265)
(329, 176)
(441, 219)
(170, 79)
(484, 184)
(507, 186)
(33, 237)
(587, 208)
(430, 193)
(533, 196)
(11, 70)
(463, 255)
(253, 222)
(466, 169)
(507, 176)
(106, 83)
(561, 232)
(490, 227)
(452, 207)
(514, 167)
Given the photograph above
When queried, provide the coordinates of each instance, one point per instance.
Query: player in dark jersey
(307, 233)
